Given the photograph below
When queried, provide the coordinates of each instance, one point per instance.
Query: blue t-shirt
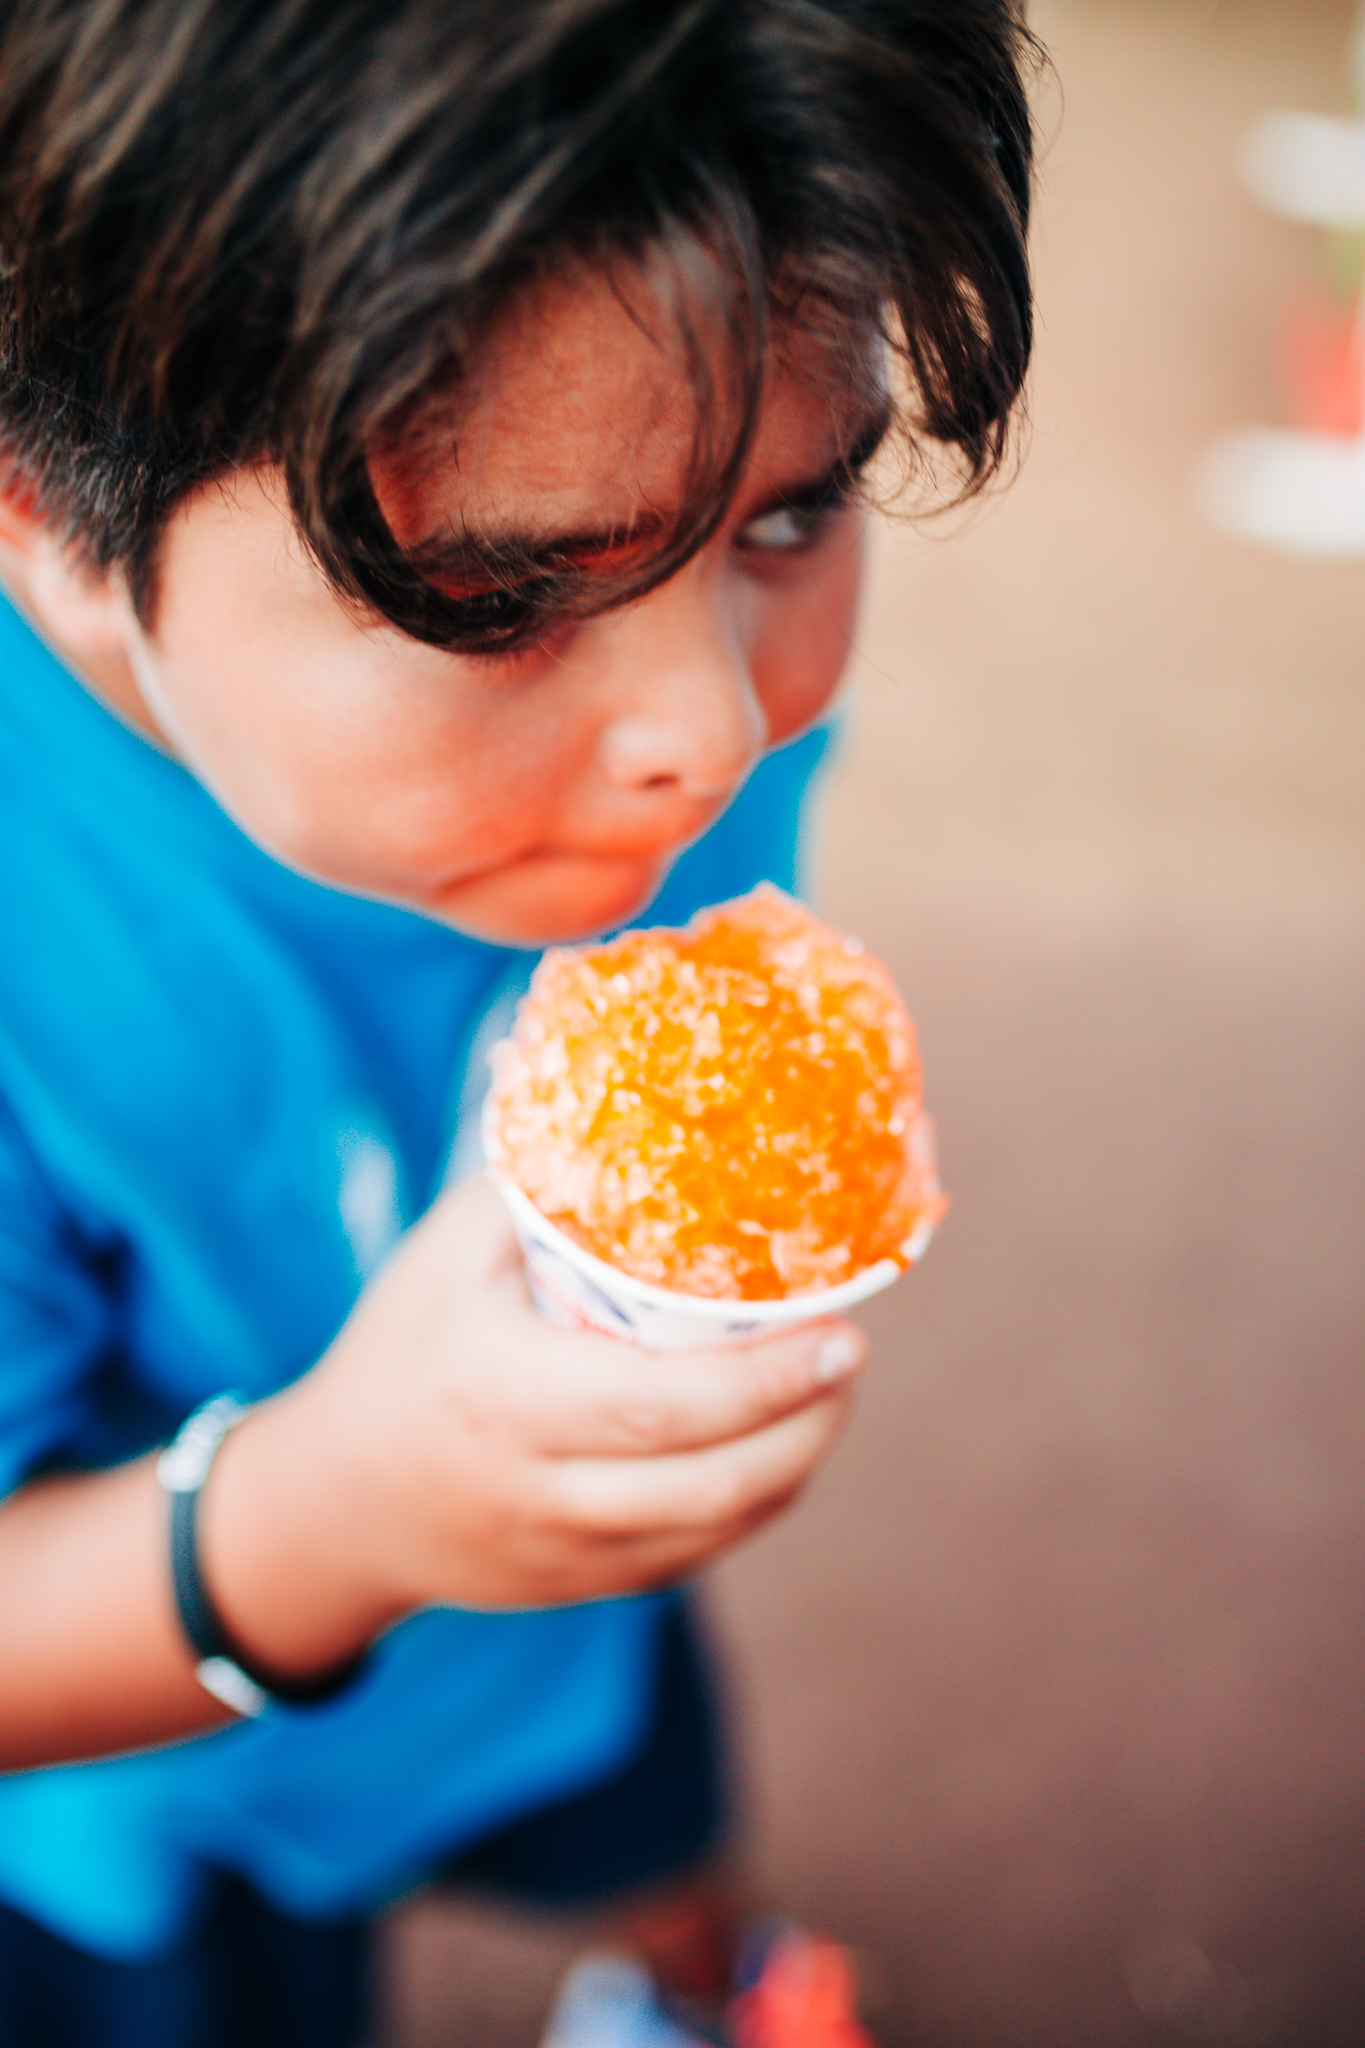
(224, 1090)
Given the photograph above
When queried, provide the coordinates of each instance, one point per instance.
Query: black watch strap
(222, 1669)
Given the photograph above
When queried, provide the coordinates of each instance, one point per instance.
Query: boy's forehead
(580, 416)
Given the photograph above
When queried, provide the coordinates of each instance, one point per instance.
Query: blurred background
(1053, 1691)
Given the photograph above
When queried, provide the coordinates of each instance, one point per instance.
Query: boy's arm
(450, 1448)
(91, 1656)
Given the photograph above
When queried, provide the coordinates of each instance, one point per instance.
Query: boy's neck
(105, 673)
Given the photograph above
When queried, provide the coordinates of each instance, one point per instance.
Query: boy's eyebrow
(840, 472)
(484, 554)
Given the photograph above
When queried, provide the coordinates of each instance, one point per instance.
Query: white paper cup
(580, 1292)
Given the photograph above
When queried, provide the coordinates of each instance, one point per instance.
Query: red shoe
(803, 1996)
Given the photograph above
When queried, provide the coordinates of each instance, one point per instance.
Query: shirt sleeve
(58, 1315)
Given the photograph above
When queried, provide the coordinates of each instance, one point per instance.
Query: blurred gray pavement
(1053, 1690)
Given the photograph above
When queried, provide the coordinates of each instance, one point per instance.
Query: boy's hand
(454, 1447)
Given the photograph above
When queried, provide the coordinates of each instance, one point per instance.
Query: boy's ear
(81, 611)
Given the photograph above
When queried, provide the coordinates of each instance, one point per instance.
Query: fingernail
(840, 1353)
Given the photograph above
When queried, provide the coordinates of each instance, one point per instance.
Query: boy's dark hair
(235, 231)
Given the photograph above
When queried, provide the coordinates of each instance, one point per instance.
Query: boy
(431, 439)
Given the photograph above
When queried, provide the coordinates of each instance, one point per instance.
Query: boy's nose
(685, 714)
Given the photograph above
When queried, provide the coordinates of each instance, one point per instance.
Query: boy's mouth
(552, 896)
(652, 855)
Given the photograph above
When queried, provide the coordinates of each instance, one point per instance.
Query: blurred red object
(1324, 368)
(804, 1998)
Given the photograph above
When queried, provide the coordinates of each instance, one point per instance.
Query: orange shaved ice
(732, 1110)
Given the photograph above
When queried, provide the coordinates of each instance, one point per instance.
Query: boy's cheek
(806, 640)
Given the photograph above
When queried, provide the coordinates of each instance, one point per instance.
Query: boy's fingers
(585, 1395)
(621, 1401)
(722, 1487)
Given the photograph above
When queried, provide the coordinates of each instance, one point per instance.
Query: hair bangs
(237, 232)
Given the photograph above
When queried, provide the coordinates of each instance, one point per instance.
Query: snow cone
(704, 1133)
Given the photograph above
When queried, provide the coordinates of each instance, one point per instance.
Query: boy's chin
(551, 899)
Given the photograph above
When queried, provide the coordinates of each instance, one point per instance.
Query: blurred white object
(1307, 167)
(609, 2001)
(1301, 492)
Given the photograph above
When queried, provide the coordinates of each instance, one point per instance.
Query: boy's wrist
(224, 1668)
(277, 1549)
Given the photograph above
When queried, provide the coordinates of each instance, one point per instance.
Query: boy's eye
(788, 528)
